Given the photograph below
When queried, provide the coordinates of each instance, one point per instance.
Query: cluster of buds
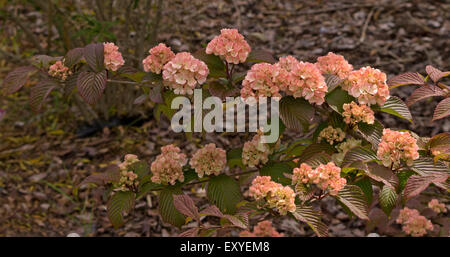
(263, 80)
(396, 146)
(331, 135)
(112, 57)
(354, 113)
(159, 56)
(262, 229)
(229, 45)
(277, 196)
(168, 166)
(413, 223)
(183, 72)
(209, 160)
(58, 70)
(436, 206)
(343, 148)
(368, 85)
(127, 176)
(255, 152)
(334, 64)
(326, 177)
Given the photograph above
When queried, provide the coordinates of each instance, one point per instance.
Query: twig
(366, 24)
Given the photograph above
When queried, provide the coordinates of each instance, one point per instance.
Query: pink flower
(396, 146)
(58, 70)
(127, 176)
(368, 85)
(112, 57)
(326, 177)
(264, 80)
(261, 186)
(209, 160)
(159, 56)
(229, 45)
(331, 135)
(334, 64)
(168, 166)
(354, 113)
(288, 63)
(277, 196)
(184, 72)
(413, 223)
(307, 82)
(262, 229)
(436, 206)
(255, 152)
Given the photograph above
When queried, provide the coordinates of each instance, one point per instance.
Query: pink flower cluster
(113, 58)
(184, 72)
(229, 45)
(326, 177)
(58, 70)
(277, 196)
(368, 85)
(263, 80)
(159, 56)
(396, 146)
(436, 206)
(209, 160)
(354, 113)
(262, 229)
(168, 166)
(334, 64)
(331, 135)
(413, 223)
(255, 152)
(127, 176)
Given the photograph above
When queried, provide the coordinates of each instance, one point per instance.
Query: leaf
(442, 109)
(167, 209)
(332, 81)
(313, 151)
(140, 99)
(224, 192)
(423, 93)
(408, 78)
(353, 198)
(73, 57)
(120, 202)
(15, 80)
(156, 94)
(313, 218)
(141, 168)
(337, 98)
(192, 232)
(212, 210)
(43, 61)
(358, 153)
(303, 192)
(144, 188)
(222, 91)
(371, 132)
(276, 171)
(237, 220)
(215, 65)
(234, 158)
(435, 74)
(396, 107)
(440, 143)
(382, 174)
(296, 113)
(186, 205)
(70, 84)
(366, 186)
(387, 199)
(426, 166)
(40, 92)
(112, 174)
(258, 56)
(91, 85)
(416, 184)
(94, 56)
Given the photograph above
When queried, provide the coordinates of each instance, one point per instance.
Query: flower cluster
(168, 166)
(159, 56)
(209, 160)
(326, 177)
(307, 82)
(263, 80)
(127, 176)
(396, 146)
(413, 223)
(331, 135)
(112, 57)
(229, 45)
(262, 229)
(343, 148)
(255, 152)
(184, 72)
(334, 64)
(436, 206)
(368, 85)
(58, 70)
(287, 63)
(354, 113)
(277, 196)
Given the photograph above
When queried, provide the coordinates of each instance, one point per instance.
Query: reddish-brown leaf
(408, 78)
(186, 206)
(442, 109)
(424, 92)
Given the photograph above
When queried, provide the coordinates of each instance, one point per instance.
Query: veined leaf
(215, 65)
(366, 186)
(40, 92)
(424, 92)
(435, 74)
(192, 232)
(15, 80)
(397, 107)
(313, 218)
(296, 113)
(332, 81)
(358, 153)
(371, 132)
(73, 57)
(120, 202)
(224, 192)
(440, 143)
(382, 174)
(234, 158)
(186, 205)
(94, 56)
(276, 171)
(416, 184)
(387, 199)
(112, 174)
(337, 98)
(408, 78)
(353, 198)
(313, 152)
(167, 209)
(442, 109)
(258, 56)
(91, 85)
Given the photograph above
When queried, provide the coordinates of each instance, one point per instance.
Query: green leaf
(215, 65)
(371, 132)
(120, 202)
(313, 218)
(167, 208)
(258, 56)
(40, 92)
(224, 192)
(276, 171)
(296, 113)
(337, 98)
(366, 186)
(91, 85)
(94, 56)
(315, 153)
(396, 107)
(234, 158)
(387, 199)
(144, 188)
(353, 198)
(141, 168)
(358, 153)
(15, 80)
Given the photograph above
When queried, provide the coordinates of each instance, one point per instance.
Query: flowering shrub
(262, 229)
(340, 149)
